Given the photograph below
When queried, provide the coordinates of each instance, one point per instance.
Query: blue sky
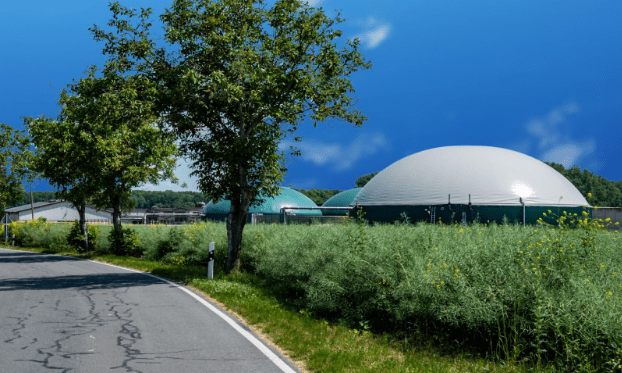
(540, 77)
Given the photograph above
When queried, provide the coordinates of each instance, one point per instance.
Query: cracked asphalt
(68, 315)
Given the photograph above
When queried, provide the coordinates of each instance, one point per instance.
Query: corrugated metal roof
(34, 205)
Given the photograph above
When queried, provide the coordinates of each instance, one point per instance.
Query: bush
(542, 293)
(125, 242)
(190, 242)
(75, 239)
(39, 233)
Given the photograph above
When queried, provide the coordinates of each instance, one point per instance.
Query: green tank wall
(343, 199)
(454, 213)
(271, 206)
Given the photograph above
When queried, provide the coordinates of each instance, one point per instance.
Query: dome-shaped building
(343, 199)
(465, 183)
(271, 206)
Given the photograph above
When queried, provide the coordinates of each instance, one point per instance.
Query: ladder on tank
(432, 214)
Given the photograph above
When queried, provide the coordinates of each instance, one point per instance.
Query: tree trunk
(119, 242)
(236, 221)
(235, 226)
(83, 230)
(116, 213)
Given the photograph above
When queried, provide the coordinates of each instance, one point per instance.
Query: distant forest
(605, 193)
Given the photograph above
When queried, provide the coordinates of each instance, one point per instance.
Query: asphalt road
(63, 314)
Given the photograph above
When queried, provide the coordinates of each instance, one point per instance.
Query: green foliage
(319, 196)
(14, 156)
(361, 181)
(147, 199)
(39, 233)
(75, 239)
(36, 197)
(545, 294)
(125, 242)
(602, 192)
(235, 78)
(188, 244)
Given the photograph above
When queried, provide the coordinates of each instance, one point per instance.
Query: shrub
(542, 293)
(125, 242)
(75, 239)
(39, 233)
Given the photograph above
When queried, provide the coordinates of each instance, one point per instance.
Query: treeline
(319, 196)
(604, 193)
(141, 199)
(147, 199)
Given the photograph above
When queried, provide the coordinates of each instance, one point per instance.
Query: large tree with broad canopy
(234, 78)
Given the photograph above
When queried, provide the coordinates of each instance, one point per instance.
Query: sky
(540, 77)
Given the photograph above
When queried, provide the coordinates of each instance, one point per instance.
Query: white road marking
(257, 343)
(251, 338)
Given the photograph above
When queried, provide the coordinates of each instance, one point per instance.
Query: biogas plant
(446, 184)
(466, 183)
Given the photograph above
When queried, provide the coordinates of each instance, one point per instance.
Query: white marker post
(210, 262)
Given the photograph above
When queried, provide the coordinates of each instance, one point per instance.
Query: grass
(317, 345)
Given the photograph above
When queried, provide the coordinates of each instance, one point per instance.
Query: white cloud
(337, 156)
(569, 154)
(182, 172)
(376, 32)
(551, 135)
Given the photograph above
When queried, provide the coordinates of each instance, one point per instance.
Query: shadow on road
(25, 257)
(84, 282)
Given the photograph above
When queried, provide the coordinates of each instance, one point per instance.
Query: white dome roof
(491, 176)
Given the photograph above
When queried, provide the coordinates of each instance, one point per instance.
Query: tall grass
(546, 294)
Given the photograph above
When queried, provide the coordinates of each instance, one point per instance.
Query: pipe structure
(284, 210)
(523, 204)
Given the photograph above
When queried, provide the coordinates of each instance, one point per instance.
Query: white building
(56, 210)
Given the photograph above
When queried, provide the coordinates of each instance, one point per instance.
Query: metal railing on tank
(308, 218)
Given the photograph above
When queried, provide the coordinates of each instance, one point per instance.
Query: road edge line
(250, 337)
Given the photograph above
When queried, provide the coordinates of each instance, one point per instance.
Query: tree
(14, 156)
(105, 142)
(363, 180)
(126, 148)
(319, 196)
(238, 77)
(597, 190)
(61, 157)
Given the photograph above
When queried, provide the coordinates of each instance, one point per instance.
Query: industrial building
(468, 183)
(270, 210)
(56, 210)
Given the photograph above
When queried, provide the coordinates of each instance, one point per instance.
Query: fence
(306, 219)
(613, 213)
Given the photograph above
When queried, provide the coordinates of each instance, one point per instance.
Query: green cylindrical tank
(343, 199)
(271, 206)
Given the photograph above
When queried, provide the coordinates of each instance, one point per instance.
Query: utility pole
(32, 207)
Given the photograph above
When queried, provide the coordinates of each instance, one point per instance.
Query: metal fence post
(210, 262)
(6, 228)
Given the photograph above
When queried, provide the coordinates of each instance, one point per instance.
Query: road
(64, 314)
